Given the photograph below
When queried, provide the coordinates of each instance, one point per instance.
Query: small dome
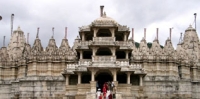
(190, 28)
(18, 29)
(105, 19)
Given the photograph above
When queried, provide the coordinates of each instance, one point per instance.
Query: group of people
(107, 91)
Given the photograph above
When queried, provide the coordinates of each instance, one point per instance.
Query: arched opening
(88, 36)
(120, 54)
(78, 54)
(103, 51)
(103, 77)
(104, 33)
(121, 77)
(134, 79)
(119, 36)
(85, 78)
(87, 55)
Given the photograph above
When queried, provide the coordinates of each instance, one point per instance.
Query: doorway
(103, 77)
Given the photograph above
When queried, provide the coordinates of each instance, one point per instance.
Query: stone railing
(103, 58)
(85, 62)
(135, 66)
(122, 63)
(71, 66)
(103, 39)
(85, 43)
(123, 43)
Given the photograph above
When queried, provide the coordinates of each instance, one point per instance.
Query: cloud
(30, 14)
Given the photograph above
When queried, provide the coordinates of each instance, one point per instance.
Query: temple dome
(190, 28)
(18, 29)
(105, 20)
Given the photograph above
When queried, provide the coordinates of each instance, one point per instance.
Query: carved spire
(133, 34)
(65, 33)
(144, 33)
(180, 40)
(53, 33)
(170, 33)
(4, 41)
(157, 33)
(37, 46)
(101, 10)
(37, 36)
(27, 38)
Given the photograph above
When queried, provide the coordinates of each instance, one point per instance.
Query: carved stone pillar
(83, 36)
(113, 50)
(128, 77)
(67, 80)
(93, 75)
(114, 73)
(95, 32)
(125, 36)
(141, 80)
(79, 78)
(112, 30)
(126, 54)
(81, 54)
(94, 50)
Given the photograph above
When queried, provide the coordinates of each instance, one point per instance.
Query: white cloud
(73, 14)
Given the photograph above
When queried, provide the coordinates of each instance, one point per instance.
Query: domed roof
(190, 28)
(18, 29)
(105, 20)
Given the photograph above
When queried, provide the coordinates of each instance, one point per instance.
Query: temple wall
(5, 91)
(42, 88)
(195, 90)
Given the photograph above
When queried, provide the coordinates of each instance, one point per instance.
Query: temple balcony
(124, 44)
(84, 44)
(85, 62)
(103, 41)
(103, 58)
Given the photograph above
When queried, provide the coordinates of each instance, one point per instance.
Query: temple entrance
(103, 77)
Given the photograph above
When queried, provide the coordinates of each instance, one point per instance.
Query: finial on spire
(170, 33)
(157, 33)
(133, 34)
(145, 33)
(101, 10)
(4, 41)
(37, 36)
(52, 32)
(27, 38)
(195, 15)
(65, 33)
(180, 40)
(12, 19)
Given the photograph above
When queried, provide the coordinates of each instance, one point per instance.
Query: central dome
(104, 20)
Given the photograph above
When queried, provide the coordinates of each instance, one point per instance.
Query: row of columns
(112, 30)
(114, 73)
(94, 50)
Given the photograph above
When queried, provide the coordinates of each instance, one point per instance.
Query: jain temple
(102, 52)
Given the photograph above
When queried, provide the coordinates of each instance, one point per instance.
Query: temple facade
(102, 52)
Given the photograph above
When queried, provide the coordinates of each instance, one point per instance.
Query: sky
(137, 14)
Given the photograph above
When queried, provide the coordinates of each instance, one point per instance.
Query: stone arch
(103, 51)
(104, 33)
(103, 76)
